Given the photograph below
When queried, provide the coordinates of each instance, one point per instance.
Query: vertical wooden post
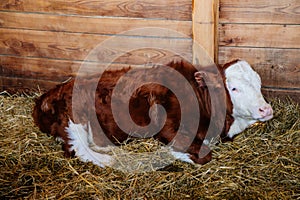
(205, 35)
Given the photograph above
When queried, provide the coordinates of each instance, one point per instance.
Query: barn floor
(261, 163)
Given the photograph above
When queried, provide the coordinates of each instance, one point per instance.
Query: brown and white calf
(87, 124)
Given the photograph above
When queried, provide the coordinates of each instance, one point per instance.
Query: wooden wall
(43, 43)
(267, 34)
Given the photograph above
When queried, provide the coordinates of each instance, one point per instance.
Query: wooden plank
(260, 11)
(163, 9)
(81, 24)
(282, 94)
(38, 68)
(254, 35)
(21, 74)
(277, 67)
(205, 17)
(73, 46)
(21, 85)
(58, 70)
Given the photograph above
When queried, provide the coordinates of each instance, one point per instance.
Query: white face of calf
(244, 86)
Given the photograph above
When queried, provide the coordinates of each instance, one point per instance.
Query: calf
(90, 114)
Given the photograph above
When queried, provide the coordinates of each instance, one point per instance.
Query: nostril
(266, 110)
(262, 110)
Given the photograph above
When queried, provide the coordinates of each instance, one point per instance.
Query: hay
(261, 163)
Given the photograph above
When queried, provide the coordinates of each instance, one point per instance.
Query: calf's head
(244, 87)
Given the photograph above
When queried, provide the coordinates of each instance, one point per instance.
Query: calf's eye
(234, 90)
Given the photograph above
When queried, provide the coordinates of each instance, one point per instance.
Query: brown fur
(54, 109)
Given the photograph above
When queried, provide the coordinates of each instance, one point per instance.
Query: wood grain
(61, 70)
(266, 34)
(277, 67)
(81, 24)
(260, 11)
(204, 31)
(43, 43)
(282, 94)
(166, 9)
(251, 35)
(73, 46)
(38, 68)
(22, 85)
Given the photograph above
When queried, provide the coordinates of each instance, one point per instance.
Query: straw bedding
(262, 163)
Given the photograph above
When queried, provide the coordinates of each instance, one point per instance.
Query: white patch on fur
(185, 157)
(206, 142)
(79, 139)
(59, 139)
(244, 87)
(239, 125)
(92, 144)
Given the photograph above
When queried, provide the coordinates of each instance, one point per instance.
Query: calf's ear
(199, 77)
